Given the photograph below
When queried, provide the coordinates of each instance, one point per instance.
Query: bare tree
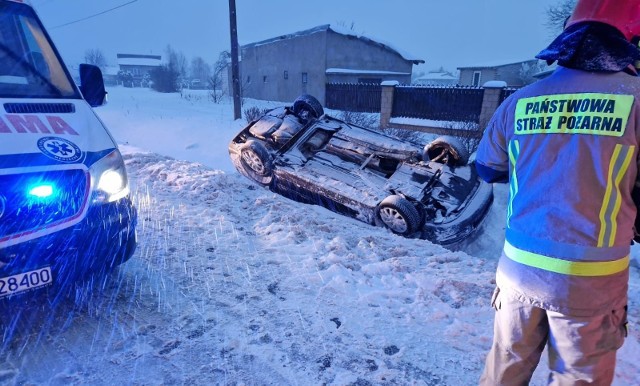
(200, 69)
(557, 15)
(528, 71)
(96, 57)
(219, 72)
(165, 78)
(176, 61)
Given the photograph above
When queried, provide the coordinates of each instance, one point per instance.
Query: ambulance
(65, 207)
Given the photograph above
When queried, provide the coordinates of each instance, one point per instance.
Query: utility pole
(235, 71)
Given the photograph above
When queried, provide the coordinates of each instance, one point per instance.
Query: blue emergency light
(41, 191)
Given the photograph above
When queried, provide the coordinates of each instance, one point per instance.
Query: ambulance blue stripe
(9, 161)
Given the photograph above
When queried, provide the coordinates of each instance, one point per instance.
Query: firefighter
(568, 147)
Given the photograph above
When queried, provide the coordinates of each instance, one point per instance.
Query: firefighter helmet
(622, 14)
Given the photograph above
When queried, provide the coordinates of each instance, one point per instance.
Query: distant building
(515, 74)
(110, 75)
(436, 78)
(138, 66)
(286, 66)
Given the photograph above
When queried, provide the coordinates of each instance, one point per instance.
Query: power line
(94, 15)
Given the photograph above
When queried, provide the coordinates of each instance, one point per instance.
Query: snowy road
(234, 285)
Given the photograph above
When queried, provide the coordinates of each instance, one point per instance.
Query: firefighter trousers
(581, 350)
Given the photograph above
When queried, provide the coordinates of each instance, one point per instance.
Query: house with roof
(515, 74)
(135, 68)
(436, 78)
(282, 68)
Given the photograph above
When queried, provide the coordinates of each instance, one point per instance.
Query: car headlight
(109, 178)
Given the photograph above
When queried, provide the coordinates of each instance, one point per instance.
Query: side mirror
(92, 85)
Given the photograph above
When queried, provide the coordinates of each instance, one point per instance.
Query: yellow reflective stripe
(618, 201)
(612, 197)
(513, 184)
(581, 113)
(575, 268)
(607, 197)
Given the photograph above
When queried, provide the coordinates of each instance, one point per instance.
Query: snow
(495, 84)
(234, 285)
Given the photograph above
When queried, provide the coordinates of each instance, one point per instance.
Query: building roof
(139, 60)
(341, 31)
(431, 76)
(498, 64)
(363, 72)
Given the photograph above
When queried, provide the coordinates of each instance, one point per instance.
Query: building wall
(295, 55)
(350, 52)
(263, 66)
(509, 73)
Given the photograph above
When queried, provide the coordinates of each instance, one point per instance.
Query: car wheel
(446, 149)
(399, 215)
(307, 107)
(256, 161)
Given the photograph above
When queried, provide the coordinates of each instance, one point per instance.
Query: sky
(445, 34)
(232, 284)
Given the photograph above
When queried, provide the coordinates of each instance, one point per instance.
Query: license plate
(25, 281)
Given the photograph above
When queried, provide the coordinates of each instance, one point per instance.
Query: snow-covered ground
(234, 285)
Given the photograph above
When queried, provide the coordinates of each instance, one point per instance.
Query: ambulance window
(29, 65)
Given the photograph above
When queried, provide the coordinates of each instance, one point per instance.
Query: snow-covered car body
(361, 173)
(65, 210)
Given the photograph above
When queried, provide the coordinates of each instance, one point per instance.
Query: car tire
(446, 149)
(256, 161)
(399, 215)
(307, 107)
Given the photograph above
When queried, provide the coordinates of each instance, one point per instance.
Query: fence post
(386, 102)
(490, 101)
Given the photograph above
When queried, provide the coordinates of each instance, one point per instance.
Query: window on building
(286, 74)
(248, 79)
(264, 79)
(304, 77)
(476, 78)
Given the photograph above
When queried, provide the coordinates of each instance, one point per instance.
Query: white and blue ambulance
(65, 209)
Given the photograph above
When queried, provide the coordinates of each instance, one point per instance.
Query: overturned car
(310, 157)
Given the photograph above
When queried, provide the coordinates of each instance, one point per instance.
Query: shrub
(370, 121)
(253, 113)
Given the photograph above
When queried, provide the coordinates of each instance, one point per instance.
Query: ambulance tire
(446, 149)
(257, 161)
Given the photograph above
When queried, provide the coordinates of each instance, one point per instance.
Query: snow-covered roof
(341, 31)
(497, 63)
(436, 76)
(368, 72)
(139, 60)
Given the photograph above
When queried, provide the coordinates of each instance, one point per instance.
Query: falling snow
(234, 285)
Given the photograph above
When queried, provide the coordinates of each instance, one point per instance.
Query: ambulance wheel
(256, 161)
(447, 150)
(399, 215)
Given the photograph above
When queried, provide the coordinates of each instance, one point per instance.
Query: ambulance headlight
(109, 178)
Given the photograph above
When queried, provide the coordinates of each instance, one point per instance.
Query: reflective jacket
(569, 144)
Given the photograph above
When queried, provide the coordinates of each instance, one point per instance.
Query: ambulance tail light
(109, 178)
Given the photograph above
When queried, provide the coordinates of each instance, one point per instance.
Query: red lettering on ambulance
(4, 128)
(59, 125)
(27, 123)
